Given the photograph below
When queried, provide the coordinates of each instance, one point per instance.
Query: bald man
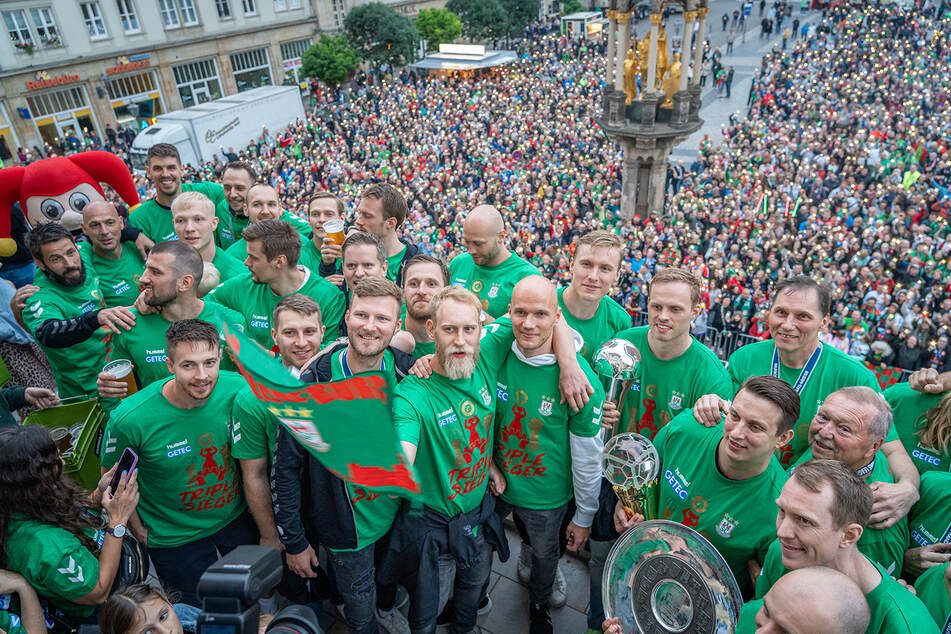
(549, 456)
(262, 202)
(118, 266)
(489, 269)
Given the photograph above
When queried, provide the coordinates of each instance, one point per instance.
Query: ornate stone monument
(648, 104)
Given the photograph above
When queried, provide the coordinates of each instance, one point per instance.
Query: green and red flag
(346, 425)
(887, 376)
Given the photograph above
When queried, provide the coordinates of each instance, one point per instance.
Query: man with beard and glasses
(67, 310)
(191, 506)
(117, 265)
(423, 277)
(444, 423)
(169, 293)
(351, 522)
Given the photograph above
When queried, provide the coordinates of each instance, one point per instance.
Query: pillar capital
(690, 16)
(612, 14)
(702, 12)
(623, 18)
(656, 19)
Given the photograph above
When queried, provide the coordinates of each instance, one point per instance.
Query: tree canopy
(381, 34)
(331, 60)
(438, 26)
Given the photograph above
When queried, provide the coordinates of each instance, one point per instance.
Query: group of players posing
(496, 406)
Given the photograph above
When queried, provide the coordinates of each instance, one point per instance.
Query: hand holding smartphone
(127, 463)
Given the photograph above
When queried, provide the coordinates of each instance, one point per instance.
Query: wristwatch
(117, 532)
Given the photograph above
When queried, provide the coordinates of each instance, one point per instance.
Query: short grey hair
(881, 421)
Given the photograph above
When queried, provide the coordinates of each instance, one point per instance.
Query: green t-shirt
(833, 370)
(747, 622)
(422, 348)
(450, 422)
(929, 520)
(737, 516)
(669, 387)
(155, 220)
(884, 546)
(532, 443)
(257, 301)
(253, 427)
(609, 320)
(189, 484)
(894, 610)
(239, 248)
(492, 284)
(11, 623)
(393, 264)
(230, 225)
(228, 266)
(77, 366)
(53, 560)
(909, 408)
(310, 256)
(119, 278)
(933, 592)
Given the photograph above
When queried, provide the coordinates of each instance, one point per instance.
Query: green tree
(520, 13)
(380, 34)
(331, 60)
(571, 6)
(481, 19)
(438, 26)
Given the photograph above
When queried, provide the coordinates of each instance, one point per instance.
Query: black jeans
(180, 567)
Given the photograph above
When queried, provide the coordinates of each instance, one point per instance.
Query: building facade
(69, 68)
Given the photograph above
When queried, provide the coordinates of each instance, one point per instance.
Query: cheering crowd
(484, 265)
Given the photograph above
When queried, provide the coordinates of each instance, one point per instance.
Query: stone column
(652, 55)
(629, 182)
(689, 17)
(612, 50)
(624, 43)
(698, 50)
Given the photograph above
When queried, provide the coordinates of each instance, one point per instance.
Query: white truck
(209, 128)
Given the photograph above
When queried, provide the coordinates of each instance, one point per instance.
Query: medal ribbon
(867, 469)
(806, 371)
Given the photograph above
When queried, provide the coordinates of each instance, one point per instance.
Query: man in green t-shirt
(351, 522)
(585, 302)
(273, 250)
(118, 266)
(191, 506)
(798, 311)
(445, 426)
(195, 222)
(722, 482)
(823, 510)
(929, 523)
(237, 177)
(423, 277)
(488, 268)
(67, 311)
(934, 590)
(170, 282)
(920, 421)
(676, 370)
(549, 456)
(814, 599)
(381, 211)
(319, 253)
(262, 202)
(164, 169)
(850, 427)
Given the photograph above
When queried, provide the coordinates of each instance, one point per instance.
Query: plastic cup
(122, 370)
(333, 229)
(62, 438)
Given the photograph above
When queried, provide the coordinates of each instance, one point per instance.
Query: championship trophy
(618, 363)
(631, 464)
(661, 577)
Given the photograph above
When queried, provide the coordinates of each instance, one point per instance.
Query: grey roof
(455, 61)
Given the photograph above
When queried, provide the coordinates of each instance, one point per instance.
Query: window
(189, 17)
(250, 7)
(45, 25)
(251, 69)
(280, 5)
(129, 85)
(130, 21)
(169, 14)
(293, 4)
(57, 101)
(295, 49)
(93, 18)
(18, 30)
(224, 9)
(197, 82)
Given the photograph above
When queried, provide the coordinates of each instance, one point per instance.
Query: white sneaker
(525, 563)
(392, 622)
(559, 590)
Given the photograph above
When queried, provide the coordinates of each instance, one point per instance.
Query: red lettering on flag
(396, 476)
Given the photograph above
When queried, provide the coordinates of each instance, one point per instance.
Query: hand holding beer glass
(333, 241)
(116, 380)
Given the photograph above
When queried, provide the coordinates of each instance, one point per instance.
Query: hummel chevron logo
(73, 567)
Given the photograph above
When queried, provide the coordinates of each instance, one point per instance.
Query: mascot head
(57, 189)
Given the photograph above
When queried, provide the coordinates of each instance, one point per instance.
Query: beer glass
(121, 369)
(333, 229)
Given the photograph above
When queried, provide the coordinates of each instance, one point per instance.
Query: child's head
(138, 609)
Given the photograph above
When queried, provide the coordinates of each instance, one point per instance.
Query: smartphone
(126, 464)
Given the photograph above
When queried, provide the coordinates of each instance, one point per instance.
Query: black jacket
(311, 503)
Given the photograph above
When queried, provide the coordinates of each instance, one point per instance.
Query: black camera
(230, 588)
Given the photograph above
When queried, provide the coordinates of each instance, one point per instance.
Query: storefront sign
(291, 64)
(130, 62)
(44, 80)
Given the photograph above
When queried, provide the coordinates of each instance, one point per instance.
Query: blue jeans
(543, 530)
(355, 578)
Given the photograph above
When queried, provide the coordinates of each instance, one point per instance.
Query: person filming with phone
(63, 541)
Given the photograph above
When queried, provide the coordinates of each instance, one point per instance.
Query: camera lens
(294, 619)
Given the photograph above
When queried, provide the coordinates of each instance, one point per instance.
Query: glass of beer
(121, 369)
(334, 230)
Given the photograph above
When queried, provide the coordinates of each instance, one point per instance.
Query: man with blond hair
(195, 222)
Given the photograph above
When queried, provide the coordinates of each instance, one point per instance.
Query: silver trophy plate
(662, 577)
